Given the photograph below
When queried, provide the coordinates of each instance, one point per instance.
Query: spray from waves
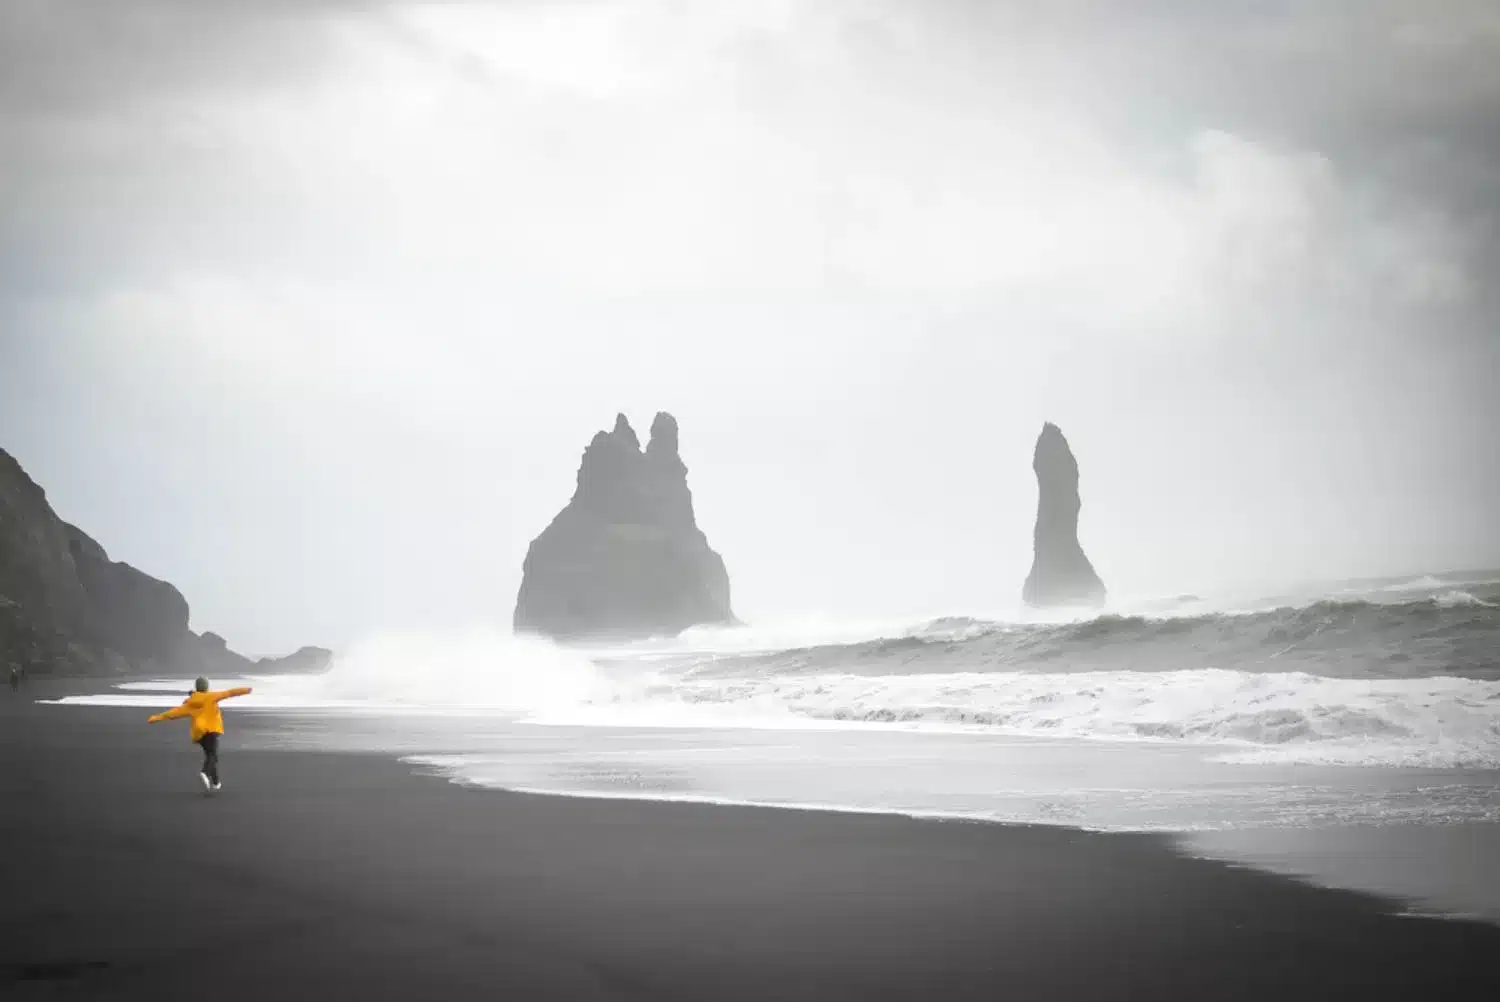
(482, 670)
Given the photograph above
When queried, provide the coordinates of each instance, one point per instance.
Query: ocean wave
(1282, 717)
(1457, 599)
(1450, 632)
(1406, 677)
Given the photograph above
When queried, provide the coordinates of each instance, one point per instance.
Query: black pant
(210, 745)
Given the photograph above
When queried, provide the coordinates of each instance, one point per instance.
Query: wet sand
(347, 876)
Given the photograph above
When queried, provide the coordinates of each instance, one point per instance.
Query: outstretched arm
(172, 714)
(243, 690)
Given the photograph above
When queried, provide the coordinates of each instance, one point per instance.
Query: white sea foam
(1255, 717)
(1458, 599)
(1425, 582)
(480, 671)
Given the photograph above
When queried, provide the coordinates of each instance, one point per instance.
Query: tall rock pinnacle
(625, 557)
(1060, 572)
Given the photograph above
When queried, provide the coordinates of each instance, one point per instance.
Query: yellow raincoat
(203, 707)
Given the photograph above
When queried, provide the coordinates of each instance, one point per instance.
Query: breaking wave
(1381, 673)
(1452, 631)
(1256, 717)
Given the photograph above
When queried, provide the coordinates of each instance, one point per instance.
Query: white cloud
(579, 146)
(747, 148)
(1274, 222)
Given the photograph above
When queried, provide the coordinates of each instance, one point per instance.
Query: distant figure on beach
(15, 679)
(208, 725)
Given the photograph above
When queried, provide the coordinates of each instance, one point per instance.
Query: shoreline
(1447, 867)
(350, 873)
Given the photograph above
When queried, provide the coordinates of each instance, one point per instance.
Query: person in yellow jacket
(208, 725)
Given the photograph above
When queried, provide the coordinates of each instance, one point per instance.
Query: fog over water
(311, 308)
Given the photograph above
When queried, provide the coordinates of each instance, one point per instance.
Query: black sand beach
(346, 876)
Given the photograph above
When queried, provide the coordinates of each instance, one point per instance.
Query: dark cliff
(65, 606)
(129, 611)
(625, 558)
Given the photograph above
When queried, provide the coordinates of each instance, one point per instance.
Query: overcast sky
(311, 307)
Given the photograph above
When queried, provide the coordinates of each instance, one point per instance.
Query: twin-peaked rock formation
(625, 558)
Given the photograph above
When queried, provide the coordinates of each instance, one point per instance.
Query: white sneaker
(217, 787)
(207, 786)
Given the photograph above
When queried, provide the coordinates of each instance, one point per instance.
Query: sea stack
(625, 558)
(1060, 573)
